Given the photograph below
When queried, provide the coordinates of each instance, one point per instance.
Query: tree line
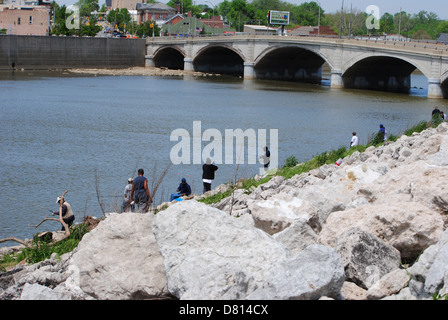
(348, 21)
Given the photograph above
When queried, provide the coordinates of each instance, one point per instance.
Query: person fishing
(140, 193)
(184, 189)
(67, 213)
(127, 197)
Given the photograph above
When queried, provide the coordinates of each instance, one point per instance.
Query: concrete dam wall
(40, 52)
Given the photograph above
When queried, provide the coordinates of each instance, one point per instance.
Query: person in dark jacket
(208, 174)
(184, 189)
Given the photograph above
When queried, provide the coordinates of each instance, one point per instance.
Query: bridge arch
(170, 57)
(444, 87)
(219, 58)
(381, 72)
(290, 63)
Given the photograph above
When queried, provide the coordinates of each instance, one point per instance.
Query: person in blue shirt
(184, 189)
(140, 192)
(383, 132)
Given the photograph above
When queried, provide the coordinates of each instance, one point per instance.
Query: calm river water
(57, 130)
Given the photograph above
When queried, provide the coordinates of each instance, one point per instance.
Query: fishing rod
(33, 204)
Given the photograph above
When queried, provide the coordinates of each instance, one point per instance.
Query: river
(89, 134)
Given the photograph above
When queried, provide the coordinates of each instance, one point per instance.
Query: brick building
(25, 19)
(158, 12)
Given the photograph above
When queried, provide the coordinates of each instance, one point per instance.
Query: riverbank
(294, 237)
(141, 71)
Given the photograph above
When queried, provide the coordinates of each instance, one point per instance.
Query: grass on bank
(42, 249)
(292, 167)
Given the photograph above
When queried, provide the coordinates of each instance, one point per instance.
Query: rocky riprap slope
(373, 228)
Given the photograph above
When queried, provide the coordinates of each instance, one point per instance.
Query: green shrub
(423, 125)
(42, 249)
(291, 162)
(216, 198)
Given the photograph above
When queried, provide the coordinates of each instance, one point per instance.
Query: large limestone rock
(431, 269)
(389, 284)
(211, 255)
(366, 258)
(37, 291)
(297, 237)
(278, 213)
(120, 259)
(410, 227)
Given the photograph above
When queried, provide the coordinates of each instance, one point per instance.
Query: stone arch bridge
(353, 63)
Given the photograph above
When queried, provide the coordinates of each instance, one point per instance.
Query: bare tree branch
(16, 240)
(155, 185)
(98, 196)
(46, 219)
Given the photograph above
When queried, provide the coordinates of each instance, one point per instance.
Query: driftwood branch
(16, 240)
(46, 219)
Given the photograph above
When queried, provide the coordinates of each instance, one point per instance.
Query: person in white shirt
(355, 140)
(127, 202)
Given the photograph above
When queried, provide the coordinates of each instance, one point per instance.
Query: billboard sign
(279, 17)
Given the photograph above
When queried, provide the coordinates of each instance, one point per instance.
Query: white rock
(36, 291)
(120, 259)
(210, 255)
(408, 226)
(389, 284)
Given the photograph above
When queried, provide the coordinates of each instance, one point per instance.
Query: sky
(440, 7)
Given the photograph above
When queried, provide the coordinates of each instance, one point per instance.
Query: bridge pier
(336, 79)
(435, 89)
(149, 62)
(188, 64)
(249, 71)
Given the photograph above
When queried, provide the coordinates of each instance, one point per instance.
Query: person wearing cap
(184, 189)
(140, 192)
(127, 201)
(208, 174)
(383, 132)
(67, 213)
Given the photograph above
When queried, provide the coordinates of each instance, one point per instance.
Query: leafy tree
(89, 28)
(59, 26)
(119, 18)
(427, 22)
(387, 24)
(404, 23)
(88, 25)
(146, 29)
(87, 6)
(443, 27)
(307, 14)
(224, 9)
